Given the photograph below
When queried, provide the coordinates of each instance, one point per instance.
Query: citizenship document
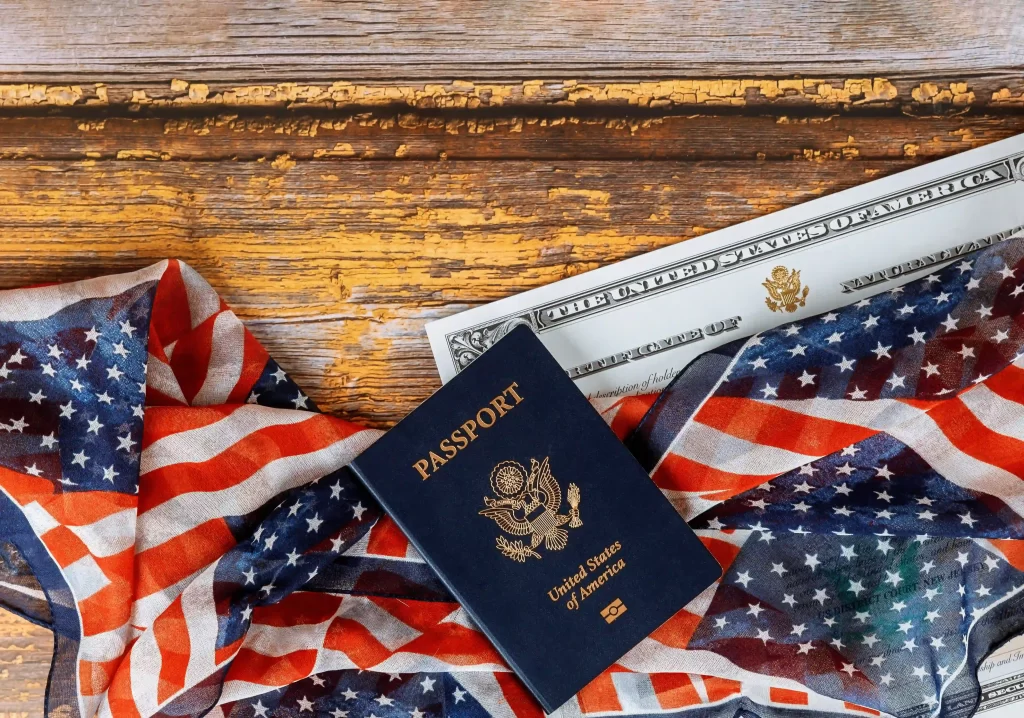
(630, 327)
(1002, 681)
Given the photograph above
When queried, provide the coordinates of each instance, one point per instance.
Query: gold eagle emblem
(527, 506)
(784, 290)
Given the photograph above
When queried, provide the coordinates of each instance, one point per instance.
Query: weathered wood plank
(953, 91)
(585, 136)
(413, 136)
(237, 40)
(336, 265)
(25, 651)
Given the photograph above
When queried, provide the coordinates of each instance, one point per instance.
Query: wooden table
(344, 172)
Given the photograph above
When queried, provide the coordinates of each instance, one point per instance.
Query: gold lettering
(436, 461)
(461, 438)
(468, 428)
(421, 466)
(449, 450)
(480, 420)
(500, 405)
(511, 389)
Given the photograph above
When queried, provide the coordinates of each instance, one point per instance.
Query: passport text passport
(537, 518)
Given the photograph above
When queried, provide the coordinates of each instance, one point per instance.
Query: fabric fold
(178, 511)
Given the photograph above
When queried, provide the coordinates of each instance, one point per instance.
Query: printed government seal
(785, 292)
(527, 506)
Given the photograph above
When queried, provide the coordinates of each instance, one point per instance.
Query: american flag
(179, 513)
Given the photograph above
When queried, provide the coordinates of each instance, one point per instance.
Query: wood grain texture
(337, 236)
(243, 40)
(909, 93)
(522, 136)
(24, 665)
(336, 265)
(337, 262)
(343, 172)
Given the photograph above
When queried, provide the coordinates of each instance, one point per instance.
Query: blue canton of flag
(72, 389)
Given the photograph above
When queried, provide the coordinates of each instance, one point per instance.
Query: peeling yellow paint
(966, 134)
(101, 97)
(464, 94)
(468, 216)
(734, 92)
(142, 155)
(1005, 96)
(957, 94)
(910, 149)
(283, 162)
(842, 151)
(198, 93)
(341, 149)
(598, 197)
(28, 95)
(402, 151)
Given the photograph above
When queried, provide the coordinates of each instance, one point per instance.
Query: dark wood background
(344, 172)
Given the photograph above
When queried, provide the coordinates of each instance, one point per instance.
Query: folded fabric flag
(177, 511)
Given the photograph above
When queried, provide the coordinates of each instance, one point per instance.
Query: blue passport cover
(537, 518)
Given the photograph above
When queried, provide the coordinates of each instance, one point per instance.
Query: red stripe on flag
(523, 704)
(254, 360)
(720, 688)
(95, 676)
(302, 608)
(677, 473)
(65, 547)
(356, 641)
(155, 397)
(111, 606)
(1013, 550)
(163, 566)
(599, 695)
(1009, 384)
(225, 652)
(171, 634)
(386, 539)
(723, 551)
(24, 488)
(254, 667)
(120, 697)
(191, 358)
(456, 645)
(162, 421)
(421, 615)
(674, 690)
(967, 433)
(241, 460)
(676, 631)
(787, 696)
(171, 318)
(628, 413)
(762, 423)
(450, 642)
(863, 709)
(81, 508)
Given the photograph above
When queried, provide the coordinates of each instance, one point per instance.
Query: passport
(541, 523)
